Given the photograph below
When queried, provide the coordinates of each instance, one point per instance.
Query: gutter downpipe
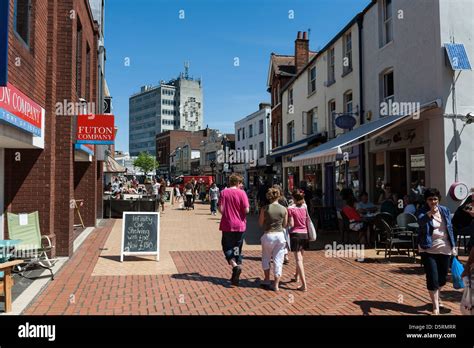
(362, 170)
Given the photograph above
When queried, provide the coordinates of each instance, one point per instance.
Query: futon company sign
(19, 110)
(95, 129)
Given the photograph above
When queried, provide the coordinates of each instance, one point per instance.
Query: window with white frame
(290, 99)
(348, 102)
(331, 66)
(250, 131)
(312, 80)
(387, 29)
(260, 127)
(332, 118)
(347, 59)
(261, 149)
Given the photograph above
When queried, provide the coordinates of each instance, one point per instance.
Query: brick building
(52, 60)
(167, 142)
(282, 68)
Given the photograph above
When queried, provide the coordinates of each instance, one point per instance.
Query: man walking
(234, 207)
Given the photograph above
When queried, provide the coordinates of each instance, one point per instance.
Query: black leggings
(436, 269)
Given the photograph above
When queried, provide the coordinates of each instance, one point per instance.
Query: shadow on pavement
(116, 258)
(366, 307)
(418, 270)
(225, 282)
(452, 296)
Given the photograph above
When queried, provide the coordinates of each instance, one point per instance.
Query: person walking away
(298, 220)
(435, 243)
(177, 194)
(188, 192)
(273, 219)
(214, 198)
(284, 203)
(234, 207)
(155, 187)
(162, 193)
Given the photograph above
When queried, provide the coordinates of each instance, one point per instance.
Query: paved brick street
(91, 282)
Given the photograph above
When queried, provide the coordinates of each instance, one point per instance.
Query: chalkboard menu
(140, 234)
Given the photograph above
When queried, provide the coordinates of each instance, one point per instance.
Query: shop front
(22, 124)
(398, 158)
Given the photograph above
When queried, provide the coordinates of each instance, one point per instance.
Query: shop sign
(4, 21)
(19, 110)
(95, 129)
(417, 162)
(346, 121)
(404, 137)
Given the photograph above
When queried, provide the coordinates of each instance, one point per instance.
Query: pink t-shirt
(233, 204)
(299, 216)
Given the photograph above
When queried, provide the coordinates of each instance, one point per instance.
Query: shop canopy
(112, 166)
(329, 151)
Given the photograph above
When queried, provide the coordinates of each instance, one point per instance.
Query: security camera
(470, 118)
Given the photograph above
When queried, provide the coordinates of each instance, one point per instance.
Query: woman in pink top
(299, 241)
(234, 207)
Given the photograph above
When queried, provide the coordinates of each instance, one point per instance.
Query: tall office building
(177, 104)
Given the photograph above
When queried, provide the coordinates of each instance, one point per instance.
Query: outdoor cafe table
(7, 283)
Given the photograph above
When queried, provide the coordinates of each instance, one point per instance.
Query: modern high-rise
(177, 104)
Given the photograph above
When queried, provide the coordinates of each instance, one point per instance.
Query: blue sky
(157, 42)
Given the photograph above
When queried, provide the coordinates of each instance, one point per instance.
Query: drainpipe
(362, 170)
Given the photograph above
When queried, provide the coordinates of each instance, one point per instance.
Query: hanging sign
(95, 129)
(346, 121)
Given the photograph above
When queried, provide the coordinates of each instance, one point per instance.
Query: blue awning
(296, 146)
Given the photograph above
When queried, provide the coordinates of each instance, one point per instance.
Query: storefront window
(417, 166)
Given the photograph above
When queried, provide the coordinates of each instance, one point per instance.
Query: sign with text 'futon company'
(140, 234)
(20, 111)
(95, 129)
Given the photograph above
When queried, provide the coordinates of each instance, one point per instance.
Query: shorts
(299, 241)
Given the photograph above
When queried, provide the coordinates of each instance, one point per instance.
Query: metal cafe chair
(391, 237)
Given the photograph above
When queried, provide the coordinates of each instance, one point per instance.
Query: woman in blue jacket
(436, 243)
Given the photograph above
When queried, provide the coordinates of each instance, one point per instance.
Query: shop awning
(328, 152)
(112, 166)
(296, 146)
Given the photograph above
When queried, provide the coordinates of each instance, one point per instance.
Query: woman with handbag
(273, 219)
(435, 244)
(299, 221)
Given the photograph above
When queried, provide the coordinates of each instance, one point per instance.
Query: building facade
(253, 142)
(52, 62)
(213, 159)
(173, 105)
(283, 68)
(169, 141)
(413, 122)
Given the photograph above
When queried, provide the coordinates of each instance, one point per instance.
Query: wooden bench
(6, 283)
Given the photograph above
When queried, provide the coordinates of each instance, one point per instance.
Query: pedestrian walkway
(195, 279)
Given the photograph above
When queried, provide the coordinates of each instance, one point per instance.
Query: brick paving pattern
(201, 286)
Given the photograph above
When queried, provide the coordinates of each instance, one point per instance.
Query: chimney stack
(301, 50)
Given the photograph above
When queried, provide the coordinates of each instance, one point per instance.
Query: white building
(405, 66)
(177, 104)
(325, 88)
(252, 141)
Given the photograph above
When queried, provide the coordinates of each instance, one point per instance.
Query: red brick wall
(44, 179)
(85, 188)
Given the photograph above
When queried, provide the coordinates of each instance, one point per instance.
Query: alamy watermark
(392, 108)
(238, 157)
(356, 251)
(68, 108)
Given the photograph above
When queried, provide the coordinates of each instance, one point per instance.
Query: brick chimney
(301, 51)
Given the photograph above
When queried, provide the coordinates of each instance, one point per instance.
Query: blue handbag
(456, 270)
